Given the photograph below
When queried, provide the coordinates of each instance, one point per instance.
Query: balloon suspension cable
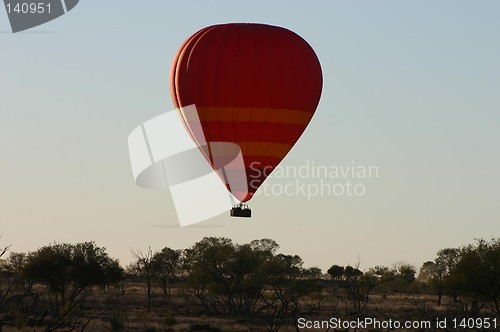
(239, 210)
(228, 186)
(242, 206)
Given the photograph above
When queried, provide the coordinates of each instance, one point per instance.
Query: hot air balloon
(254, 85)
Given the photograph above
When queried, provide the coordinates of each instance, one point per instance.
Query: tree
(477, 274)
(405, 272)
(225, 277)
(4, 249)
(283, 272)
(11, 271)
(266, 247)
(427, 272)
(358, 286)
(68, 269)
(210, 278)
(352, 272)
(312, 273)
(336, 272)
(442, 279)
(165, 264)
(9, 277)
(145, 265)
(250, 280)
(404, 276)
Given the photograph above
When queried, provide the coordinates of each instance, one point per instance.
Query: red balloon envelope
(254, 85)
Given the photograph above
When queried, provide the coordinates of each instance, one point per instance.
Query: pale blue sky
(412, 87)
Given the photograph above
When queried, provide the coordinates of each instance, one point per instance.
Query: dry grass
(127, 311)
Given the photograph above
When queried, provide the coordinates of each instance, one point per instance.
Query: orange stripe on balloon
(251, 114)
(262, 149)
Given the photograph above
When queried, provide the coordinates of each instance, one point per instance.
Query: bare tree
(145, 264)
(4, 249)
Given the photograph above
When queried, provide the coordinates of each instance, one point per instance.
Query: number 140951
(28, 8)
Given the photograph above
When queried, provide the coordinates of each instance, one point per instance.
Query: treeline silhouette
(218, 285)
